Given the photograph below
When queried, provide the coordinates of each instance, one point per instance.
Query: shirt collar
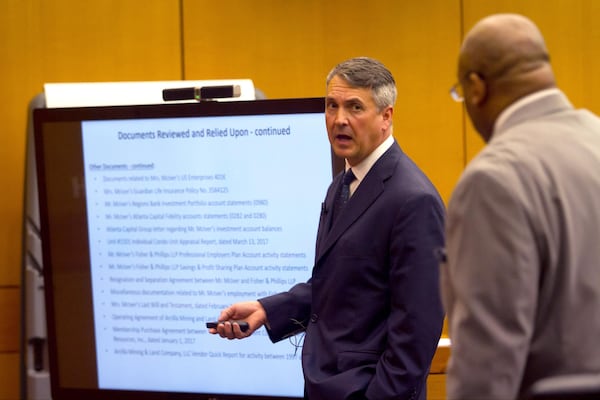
(361, 169)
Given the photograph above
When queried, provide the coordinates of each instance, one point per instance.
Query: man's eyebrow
(345, 101)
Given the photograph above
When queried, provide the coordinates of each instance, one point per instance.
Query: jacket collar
(531, 107)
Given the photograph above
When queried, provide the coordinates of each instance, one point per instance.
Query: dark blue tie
(344, 193)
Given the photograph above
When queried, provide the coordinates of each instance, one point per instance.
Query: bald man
(521, 280)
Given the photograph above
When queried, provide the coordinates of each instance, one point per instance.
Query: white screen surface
(186, 216)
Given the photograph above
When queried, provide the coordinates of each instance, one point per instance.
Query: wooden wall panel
(288, 48)
(436, 387)
(10, 307)
(13, 80)
(572, 35)
(10, 311)
(9, 376)
(70, 41)
(64, 41)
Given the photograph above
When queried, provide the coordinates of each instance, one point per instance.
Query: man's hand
(250, 311)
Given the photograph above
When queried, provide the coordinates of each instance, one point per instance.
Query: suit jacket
(522, 281)
(371, 310)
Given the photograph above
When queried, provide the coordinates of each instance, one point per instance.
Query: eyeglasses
(456, 92)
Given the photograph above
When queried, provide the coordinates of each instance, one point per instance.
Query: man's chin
(342, 152)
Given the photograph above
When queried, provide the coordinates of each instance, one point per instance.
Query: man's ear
(387, 115)
(478, 89)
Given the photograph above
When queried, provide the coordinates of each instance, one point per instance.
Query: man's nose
(341, 116)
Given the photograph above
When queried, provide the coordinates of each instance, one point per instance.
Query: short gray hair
(365, 72)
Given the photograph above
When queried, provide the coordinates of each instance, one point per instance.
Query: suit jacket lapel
(326, 212)
(369, 189)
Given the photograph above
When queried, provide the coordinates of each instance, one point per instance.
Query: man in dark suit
(371, 310)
